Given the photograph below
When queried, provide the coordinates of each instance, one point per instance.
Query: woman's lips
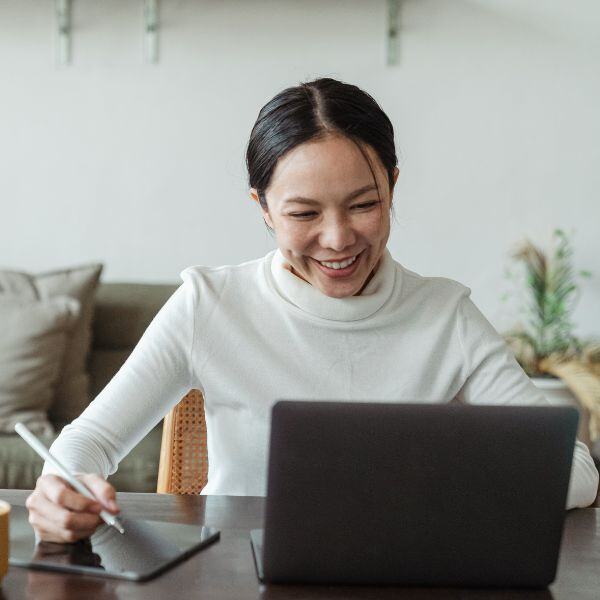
(339, 273)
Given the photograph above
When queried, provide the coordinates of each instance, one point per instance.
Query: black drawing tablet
(145, 549)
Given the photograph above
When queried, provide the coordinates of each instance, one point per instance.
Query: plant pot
(559, 394)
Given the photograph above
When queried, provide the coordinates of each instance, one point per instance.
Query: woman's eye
(310, 214)
(303, 215)
(365, 205)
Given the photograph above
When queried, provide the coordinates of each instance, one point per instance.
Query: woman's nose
(337, 234)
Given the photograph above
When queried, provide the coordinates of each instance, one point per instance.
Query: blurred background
(140, 165)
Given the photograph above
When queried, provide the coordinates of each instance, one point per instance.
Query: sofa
(122, 313)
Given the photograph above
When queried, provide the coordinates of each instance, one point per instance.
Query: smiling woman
(327, 315)
(322, 165)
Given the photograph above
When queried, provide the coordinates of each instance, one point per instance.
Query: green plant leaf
(550, 294)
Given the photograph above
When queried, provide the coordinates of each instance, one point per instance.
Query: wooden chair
(183, 466)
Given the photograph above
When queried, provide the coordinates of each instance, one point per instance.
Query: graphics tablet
(145, 549)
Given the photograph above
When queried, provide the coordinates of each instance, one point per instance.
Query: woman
(329, 315)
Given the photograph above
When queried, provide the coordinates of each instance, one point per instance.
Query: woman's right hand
(58, 513)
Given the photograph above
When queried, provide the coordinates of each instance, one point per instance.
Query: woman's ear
(254, 195)
(266, 215)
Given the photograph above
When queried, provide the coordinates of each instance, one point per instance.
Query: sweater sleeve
(493, 376)
(157, 374)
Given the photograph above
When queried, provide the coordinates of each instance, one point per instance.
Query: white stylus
(71, 480)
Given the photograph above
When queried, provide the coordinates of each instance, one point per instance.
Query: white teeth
(339, 265)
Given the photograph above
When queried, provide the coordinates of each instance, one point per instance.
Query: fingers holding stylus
(59, 513)
(54, 523)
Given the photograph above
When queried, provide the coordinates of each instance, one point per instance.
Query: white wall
(495, 105)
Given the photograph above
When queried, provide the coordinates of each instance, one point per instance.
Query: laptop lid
(415, 494)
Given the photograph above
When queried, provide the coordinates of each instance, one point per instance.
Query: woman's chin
(339, 289)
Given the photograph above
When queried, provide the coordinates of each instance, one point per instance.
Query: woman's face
(329, 223)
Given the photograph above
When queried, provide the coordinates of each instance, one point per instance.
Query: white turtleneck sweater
(252, 334)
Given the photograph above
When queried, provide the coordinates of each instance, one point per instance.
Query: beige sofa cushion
(33, 340)
(79, 283)
(72, 392)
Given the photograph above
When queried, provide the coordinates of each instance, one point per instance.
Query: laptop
(415, 494)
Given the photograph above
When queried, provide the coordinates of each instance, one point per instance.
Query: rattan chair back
(183, 467)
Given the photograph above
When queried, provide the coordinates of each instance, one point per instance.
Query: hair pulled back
(314, 110)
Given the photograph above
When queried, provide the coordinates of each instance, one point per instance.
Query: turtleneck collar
(309, 299)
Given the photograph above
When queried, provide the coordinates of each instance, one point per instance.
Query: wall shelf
(151, 28)
(151, 19)
(393, 11)
(63, 21)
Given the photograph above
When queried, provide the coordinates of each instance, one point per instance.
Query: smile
(339, 269)
(338, 265)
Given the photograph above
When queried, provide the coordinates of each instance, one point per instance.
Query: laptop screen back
(416, 494)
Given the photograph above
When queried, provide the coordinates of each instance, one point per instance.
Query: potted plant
(558, 362)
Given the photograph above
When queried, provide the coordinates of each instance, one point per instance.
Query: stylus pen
(71, 480)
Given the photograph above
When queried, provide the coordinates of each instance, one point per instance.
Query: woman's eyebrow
(351, 196)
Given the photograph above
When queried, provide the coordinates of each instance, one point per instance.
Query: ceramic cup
(4, 516)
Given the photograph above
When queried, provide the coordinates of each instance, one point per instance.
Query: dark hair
(312, 110)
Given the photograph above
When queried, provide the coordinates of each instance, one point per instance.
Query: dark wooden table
(225, 570)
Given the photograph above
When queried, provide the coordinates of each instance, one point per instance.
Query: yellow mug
(4, 516)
